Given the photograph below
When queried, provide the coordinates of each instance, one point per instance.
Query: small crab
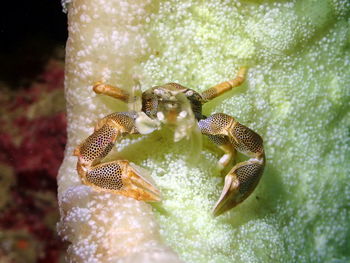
(170, 104)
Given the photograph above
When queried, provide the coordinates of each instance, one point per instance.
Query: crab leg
(242, 179)
(225, 86)
(112, 91)
(226, 146)
(121, 176)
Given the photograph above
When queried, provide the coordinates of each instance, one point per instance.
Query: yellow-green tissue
(296, 96)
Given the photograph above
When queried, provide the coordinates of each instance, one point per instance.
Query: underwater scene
(176, 131)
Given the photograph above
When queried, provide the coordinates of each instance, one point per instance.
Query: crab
(181, 107)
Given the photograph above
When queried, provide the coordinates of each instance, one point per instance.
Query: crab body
(169, 99)
(181, 107)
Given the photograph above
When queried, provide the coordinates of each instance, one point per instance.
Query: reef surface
(296, 97)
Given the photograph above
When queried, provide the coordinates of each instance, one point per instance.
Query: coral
(296, 96)
(32, 141)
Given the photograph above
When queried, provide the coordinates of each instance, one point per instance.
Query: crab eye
(189, 93)
(171, 105)
(157, 92)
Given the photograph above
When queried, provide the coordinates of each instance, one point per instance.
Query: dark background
(30, 31)
(33, 34)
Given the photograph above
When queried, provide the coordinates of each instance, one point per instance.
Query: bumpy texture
(296, 97)
(103, 227)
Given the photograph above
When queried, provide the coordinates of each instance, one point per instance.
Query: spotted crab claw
(120, 176)
(124, 178)
(239, 184)
(232, 136)
(143, 184)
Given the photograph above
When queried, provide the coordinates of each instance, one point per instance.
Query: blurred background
(32, 128)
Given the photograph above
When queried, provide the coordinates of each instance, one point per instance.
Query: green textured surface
(296, 96)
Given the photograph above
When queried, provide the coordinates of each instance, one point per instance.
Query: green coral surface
(296, 97)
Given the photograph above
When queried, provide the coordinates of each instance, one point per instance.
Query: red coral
(43, 142)
(33, 146)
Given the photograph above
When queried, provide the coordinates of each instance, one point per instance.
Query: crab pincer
(244, 176)
(120, 176)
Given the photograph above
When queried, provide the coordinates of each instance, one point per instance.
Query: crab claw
(228, 196)
(240, 182)
(121, 177)
(142, 184)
